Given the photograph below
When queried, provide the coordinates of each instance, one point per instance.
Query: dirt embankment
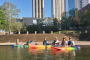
(40, 37)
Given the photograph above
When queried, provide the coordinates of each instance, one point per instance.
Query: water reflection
(64, 54)
(7, 53)
(36, 54)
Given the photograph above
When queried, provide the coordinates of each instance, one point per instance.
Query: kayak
(63, 52)
(66, 48)
(39, 46)
(19, 46)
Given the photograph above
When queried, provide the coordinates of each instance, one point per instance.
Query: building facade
(71, 4)
(30, 21)
(38, 8)
(81, 3)
(57, 8)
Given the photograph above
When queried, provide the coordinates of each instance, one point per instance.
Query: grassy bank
(69, 31)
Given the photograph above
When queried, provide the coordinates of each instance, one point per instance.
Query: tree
(55, 22)
(82, 18)
(55, 27)
(64, 20)
(68, 19)
(40, 24)
(86, 18)
(11, 13)
(3, 20)
(48, 18)
(33, 28)
(23, 29)
(10, 10)
(17, 26)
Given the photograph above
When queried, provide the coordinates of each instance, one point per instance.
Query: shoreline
(22, 43)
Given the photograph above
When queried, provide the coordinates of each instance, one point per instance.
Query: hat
(63, 38)
(56, 37)
(69, 37)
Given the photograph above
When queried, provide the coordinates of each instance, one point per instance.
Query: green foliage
(23, 29)
(11, 13)
(33, 28)
(72, 13)
(17, 26)
(10, 10)
(55, 22)
(69, 31)
(67, 22)
(39, 27)
(83, 17)
(3, 21)
(64, 21)
(76, 18)
(86, 18)
(47, 29)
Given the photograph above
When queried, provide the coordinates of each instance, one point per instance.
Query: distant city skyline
(71, 5)
(81, 3)
(38, 8)
(58, 8)
(25, 7)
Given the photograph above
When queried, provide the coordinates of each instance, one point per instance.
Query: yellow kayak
(39, 46)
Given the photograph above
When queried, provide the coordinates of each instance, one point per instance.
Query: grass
(69, 31)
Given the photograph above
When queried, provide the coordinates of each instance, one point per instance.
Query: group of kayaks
(30, 46)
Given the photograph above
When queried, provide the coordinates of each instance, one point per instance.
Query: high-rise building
(38, 8)
(71, 4)
(57, 8)
(81, 3)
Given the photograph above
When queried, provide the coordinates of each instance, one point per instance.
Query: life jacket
(44, 42)
(70, 43)
(63, 43)
(54, 41)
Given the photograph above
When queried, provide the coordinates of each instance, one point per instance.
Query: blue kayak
(19, 46)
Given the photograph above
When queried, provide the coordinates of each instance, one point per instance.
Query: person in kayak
(45, 42)
(64, 42)
(55, 42)
(28, 42)
(70, 42)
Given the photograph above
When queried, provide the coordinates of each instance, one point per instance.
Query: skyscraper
(81, 3)
(57, 8)
(71, 4)
(38, 8)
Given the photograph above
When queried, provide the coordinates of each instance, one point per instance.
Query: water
(7, 53)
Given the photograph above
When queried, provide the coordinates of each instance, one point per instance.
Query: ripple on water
(6, 52)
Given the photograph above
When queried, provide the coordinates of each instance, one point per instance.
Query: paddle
(31, 41)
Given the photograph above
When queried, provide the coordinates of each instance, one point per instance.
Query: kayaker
(55, 42)
(64, 42)
(45, 42)
(71, 43)
(28, 42)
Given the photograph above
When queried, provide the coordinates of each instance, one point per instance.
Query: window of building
(34, 22)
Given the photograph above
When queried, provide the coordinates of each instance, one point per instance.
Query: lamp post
(10, 24)
(57, 24)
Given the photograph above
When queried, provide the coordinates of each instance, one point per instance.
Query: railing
(59, 32)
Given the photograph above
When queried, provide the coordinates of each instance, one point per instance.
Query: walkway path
(22, 43)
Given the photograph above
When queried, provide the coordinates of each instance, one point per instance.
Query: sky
(25, 7)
